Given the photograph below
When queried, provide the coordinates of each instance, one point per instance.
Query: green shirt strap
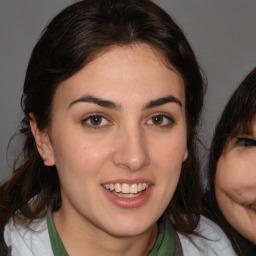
(57, 246)
(168, 242)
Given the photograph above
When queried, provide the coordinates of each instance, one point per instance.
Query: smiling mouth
(125, 190)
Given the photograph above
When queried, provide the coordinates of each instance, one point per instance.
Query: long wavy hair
(236, 119)
(76, 36)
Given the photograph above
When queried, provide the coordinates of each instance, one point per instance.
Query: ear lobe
(185, 155)
(43, 142)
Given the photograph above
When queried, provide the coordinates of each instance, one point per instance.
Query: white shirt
(212, 243)
(28, 242)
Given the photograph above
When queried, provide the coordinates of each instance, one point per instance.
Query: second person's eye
(245, 142)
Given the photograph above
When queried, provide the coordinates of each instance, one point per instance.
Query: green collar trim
(57, 246)
(167, 244)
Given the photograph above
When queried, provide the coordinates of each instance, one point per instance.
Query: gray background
(221, 32)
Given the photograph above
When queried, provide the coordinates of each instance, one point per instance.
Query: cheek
(173, 150)
(169, 156)
(74, 154)
(226, 174)
(233, 172)
(224, 183)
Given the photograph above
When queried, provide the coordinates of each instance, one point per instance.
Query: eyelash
(245, 142)
(88, 121)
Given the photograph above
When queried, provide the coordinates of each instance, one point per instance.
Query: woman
(112, 98)
(230, 200)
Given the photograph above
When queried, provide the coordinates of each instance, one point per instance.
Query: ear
(185, 155)
(43, 142)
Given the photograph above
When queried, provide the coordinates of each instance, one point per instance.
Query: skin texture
(133, 141)
(235, 184)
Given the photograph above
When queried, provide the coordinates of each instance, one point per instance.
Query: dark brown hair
(236, 119)
(80, 33)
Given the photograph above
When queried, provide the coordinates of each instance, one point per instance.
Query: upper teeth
(126, 188)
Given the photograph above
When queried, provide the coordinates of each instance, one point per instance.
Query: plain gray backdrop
(221, 32)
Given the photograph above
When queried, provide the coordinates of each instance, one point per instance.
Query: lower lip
(129, 202)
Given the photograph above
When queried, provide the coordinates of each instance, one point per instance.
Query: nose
(131, 150)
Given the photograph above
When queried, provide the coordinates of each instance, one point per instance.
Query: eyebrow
(162, 101)
(96, 100)
(113, 105)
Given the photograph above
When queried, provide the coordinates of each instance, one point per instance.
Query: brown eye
(96, 120)
(158, 120)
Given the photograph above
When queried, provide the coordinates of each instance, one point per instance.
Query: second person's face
(118, 139)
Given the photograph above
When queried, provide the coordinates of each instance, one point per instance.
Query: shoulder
(28, 240)
(211, 241)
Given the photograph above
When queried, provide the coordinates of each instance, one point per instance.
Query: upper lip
(129, 181)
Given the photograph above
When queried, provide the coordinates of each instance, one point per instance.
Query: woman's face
(118, 140)
(235, 184)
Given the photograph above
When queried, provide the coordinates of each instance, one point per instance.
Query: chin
(129, 228)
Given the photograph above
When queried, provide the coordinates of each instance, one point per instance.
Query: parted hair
(73, 38)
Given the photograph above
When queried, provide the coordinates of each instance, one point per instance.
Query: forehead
(120, 70)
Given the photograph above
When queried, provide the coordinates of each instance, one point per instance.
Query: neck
(89, 239)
